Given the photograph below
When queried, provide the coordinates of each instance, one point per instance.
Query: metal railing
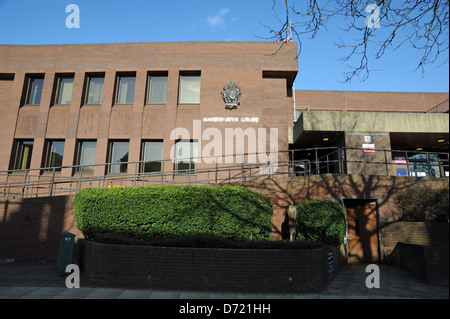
(66, 180)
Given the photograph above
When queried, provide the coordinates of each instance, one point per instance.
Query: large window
(94, 89)
(86, 156)
(424, 165)
(24, 150)
(118, 156)
(34, 90)
(185, 156)
(189, 88)
(125, 89)
(64, 86)
(157, 88)
(152, 156)
(54, 154)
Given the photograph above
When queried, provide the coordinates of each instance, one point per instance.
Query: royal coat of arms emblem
(231, 95)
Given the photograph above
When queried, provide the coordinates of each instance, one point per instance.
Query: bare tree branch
(423, 25)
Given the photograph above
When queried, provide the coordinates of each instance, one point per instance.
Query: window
(125, 89)
(152, 156)
(54, 154)
(118, 153)
(424, 165)
(24, 150)
(34, 90)
(86, 156)
(64, 88)
(7, 76)
(157, 88)
(94, 89)
(185, 156)
(189, 88)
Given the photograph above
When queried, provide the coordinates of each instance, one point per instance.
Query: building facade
(95, 111)
(101, 115)
(65, 105)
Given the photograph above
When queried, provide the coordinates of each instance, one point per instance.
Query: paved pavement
(41, 282)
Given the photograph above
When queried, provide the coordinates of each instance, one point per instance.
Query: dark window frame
(79, 150)
(149, 164)
(47, 165)
(28, 89)
(189, 167)
(159, 74)
(58, 88)
(180, 87)
(123, 168)
(18, 154)
(88, 78)
(119, 76)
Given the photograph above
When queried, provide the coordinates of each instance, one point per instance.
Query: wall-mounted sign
(231, 95)
(330, 263)
(231, 119)
(400, 160)
(369, 148)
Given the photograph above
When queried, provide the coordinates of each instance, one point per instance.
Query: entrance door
(362, 231)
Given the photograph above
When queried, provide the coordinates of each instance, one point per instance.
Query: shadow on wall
(286, 191)
(30, 228)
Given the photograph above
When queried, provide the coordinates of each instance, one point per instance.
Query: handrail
(222, 169)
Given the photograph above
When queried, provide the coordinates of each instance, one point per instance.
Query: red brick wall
(237, 270)
(420, 233)
(369, 101)
(286, 191)
(244, 62)
(29, 228)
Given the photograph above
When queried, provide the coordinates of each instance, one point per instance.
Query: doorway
(362, 240)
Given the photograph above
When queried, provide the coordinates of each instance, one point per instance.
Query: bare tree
(379, 25)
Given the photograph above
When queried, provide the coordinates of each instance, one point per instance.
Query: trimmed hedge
(152, 213)
(321, 220)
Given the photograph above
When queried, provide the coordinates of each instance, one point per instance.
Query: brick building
(140, 113)
(63, 105)
(90, 104)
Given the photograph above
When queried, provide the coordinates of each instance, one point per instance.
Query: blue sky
(43, 22)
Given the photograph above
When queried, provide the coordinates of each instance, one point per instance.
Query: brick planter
(208, 269)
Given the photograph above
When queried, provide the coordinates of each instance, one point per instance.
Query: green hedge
(150, 213)
(321, 220)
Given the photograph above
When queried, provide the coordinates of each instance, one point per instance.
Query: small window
(34, 90)
(64, 88)
(189, 88)
(7, 76)
(157, 88)
(24, 149)
(186, 156)
(54, 155)
(118, 156)
(125, 89)
(86, 156)
(152, 152)
(94, 89)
